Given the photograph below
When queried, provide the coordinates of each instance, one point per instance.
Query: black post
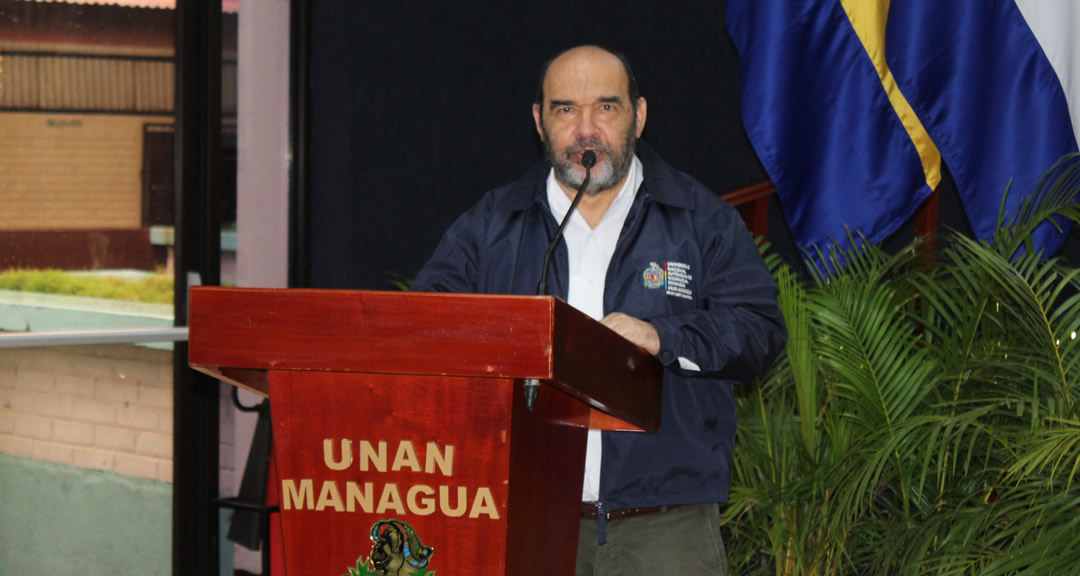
(198, 261)
(299, 142)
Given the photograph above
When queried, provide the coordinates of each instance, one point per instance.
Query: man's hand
(637, 331)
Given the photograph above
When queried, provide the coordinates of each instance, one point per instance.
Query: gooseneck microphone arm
(588, 160)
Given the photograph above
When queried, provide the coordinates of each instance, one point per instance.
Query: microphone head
(588, 159)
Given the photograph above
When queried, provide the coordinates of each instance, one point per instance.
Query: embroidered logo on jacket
(678, 280)
(654, 276)
(674, 277)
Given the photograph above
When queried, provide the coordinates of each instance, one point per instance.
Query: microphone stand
(588, 160)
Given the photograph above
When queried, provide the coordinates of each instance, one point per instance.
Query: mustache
(591, 143)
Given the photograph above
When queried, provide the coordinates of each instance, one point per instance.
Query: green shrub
(924, 418)
(157, 288)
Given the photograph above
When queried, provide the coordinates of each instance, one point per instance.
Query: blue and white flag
(847, 103)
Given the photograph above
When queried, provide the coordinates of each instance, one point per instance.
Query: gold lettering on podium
(436, 459)
(444, 460)
(293, 497)
(354, 495)
(328, 454)
(421, 506)
(329, 497)
(484, 504)
(405, 457)
(368, 455)
(444, 501)
(390, 500)
(420, 499)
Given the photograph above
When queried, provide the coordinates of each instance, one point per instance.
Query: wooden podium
(401, 435)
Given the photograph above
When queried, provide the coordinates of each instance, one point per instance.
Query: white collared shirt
(590, 251)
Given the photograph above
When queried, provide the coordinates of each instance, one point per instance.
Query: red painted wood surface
(237, 332)
(409, 369)
(545, 485)
(599, 373)
(526, 459)
(753, 204)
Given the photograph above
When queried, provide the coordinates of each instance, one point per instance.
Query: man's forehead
(588, 69)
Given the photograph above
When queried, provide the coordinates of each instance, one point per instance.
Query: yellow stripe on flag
(868, 17)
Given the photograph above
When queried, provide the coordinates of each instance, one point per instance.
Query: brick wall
(97, 407)
(71, 170)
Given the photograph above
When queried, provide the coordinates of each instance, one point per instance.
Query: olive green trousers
(682, 541)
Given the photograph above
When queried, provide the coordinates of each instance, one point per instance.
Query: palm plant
(923, 419)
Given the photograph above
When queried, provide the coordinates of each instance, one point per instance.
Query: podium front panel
(416, 474)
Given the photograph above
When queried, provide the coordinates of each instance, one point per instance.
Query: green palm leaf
(922, 419)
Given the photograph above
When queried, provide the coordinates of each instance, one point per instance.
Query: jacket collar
(659, 183)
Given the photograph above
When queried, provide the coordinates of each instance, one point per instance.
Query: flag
(967, 77)
(980, 80)
(816, 113)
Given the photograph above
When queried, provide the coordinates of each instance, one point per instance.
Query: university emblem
(654, 276)
(396, 550)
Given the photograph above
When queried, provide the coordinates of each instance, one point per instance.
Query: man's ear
(536, 119)
(642, 109)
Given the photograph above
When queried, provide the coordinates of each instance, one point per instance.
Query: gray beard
(604, 175)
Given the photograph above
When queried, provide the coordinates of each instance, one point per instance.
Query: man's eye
(607, 107)
(566, 109)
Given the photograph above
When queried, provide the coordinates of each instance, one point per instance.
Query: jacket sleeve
(454, 265)
(738, 329)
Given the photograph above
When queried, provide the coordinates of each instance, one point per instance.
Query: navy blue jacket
(685, 262)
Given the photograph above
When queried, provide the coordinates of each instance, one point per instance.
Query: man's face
(587, 107)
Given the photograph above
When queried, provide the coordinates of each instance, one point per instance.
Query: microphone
(588, 160)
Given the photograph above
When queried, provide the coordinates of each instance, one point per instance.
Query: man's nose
(586, 126)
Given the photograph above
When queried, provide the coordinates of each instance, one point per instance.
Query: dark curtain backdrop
(419, 107)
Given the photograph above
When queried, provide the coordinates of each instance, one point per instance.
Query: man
(661, 261)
